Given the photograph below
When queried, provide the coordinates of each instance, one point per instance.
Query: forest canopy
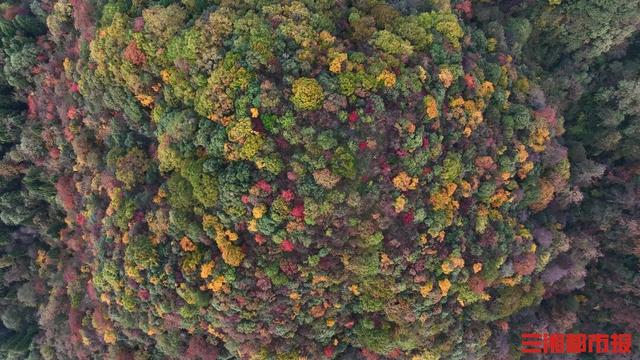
(316, 179)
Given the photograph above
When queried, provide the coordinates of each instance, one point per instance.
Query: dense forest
(316, 179)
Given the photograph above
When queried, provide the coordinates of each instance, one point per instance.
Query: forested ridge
(316, 179)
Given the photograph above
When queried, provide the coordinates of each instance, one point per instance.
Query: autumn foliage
(308, 180)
